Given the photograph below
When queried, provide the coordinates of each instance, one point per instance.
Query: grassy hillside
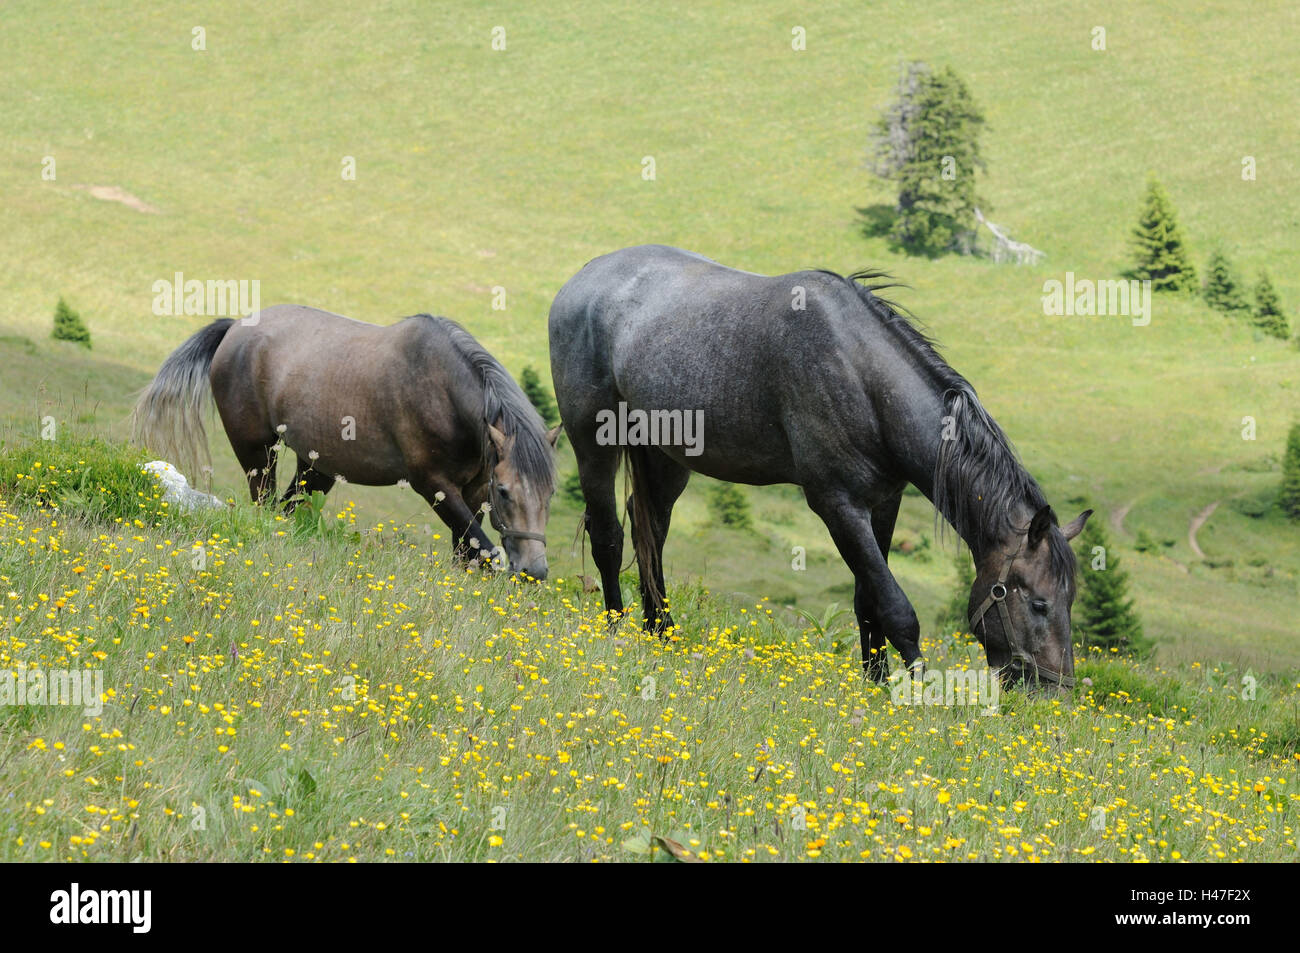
(478, 169)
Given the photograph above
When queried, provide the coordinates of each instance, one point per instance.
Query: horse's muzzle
(536, 571)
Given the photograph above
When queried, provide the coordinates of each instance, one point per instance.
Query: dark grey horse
(419, 402)
(810, 379)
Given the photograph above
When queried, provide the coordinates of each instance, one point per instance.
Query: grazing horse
(811, 379)
(418, 402)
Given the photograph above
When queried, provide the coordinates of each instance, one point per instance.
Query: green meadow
(481, 169)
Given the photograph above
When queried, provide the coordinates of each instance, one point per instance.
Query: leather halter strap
(520, 534)
(998, 597)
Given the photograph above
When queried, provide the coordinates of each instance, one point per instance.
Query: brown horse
(419, 402)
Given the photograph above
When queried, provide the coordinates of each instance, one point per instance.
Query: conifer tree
(952, 617)
(1222, 291)
(1289, 498)
(68, 326)
(928, 142)
(1103, 614)
(1268, 309)
(1161, 256)
(729, 506)
(531, 384)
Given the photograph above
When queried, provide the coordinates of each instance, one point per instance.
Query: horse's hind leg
(306, 481)
(258, 462)
(659, 480)
(597, 471)
(875, 660)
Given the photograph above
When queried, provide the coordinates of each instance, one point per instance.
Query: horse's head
(520, 505)
(1020, 602)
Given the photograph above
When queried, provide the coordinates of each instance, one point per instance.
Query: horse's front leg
(875, 657)
(879, 602)
(468, 538)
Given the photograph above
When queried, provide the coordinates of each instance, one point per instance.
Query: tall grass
(356, 695)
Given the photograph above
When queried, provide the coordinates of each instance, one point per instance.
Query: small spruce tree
(729, 506)
(531, 383)
(1103, 613)
(1289, 497)
(952, 617)
(1268, 309)
(68, 325)
(1160, 255)
(571, 489)
(1222, 290)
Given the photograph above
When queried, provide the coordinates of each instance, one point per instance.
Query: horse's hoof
(876, 666)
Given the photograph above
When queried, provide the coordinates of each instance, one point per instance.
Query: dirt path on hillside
(1117, 517)
(115, 193)
(1197, 522)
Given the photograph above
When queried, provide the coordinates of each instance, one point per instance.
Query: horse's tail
(168, 417)
(647, 555)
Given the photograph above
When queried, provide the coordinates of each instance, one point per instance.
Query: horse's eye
(1039, 606)
(504, 492)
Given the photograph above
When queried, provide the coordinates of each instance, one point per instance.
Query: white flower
(486, 507)
(339, 477)
(439, 496)
(281, 429)
(403, 484)
(474, 543)
(313, 455)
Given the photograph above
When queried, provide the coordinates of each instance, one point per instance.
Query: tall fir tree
(1222, 290)
(928, 143)
(1289, 497)
(1160, 255)
(68, 325)
(1103, 613)
(1269, 316)
(531, 384)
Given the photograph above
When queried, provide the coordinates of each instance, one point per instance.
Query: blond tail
(168, 417)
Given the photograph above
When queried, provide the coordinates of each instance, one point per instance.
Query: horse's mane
(506, 407)
(979, 481)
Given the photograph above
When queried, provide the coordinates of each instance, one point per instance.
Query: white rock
(177, 490)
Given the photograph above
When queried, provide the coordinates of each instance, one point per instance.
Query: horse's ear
(1040, 526)
(553, 435)
(498, 440)
(1075, 526)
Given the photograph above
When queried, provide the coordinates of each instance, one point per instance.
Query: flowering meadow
(312, 689)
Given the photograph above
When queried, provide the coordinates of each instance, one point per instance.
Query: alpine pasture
(333, 687)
